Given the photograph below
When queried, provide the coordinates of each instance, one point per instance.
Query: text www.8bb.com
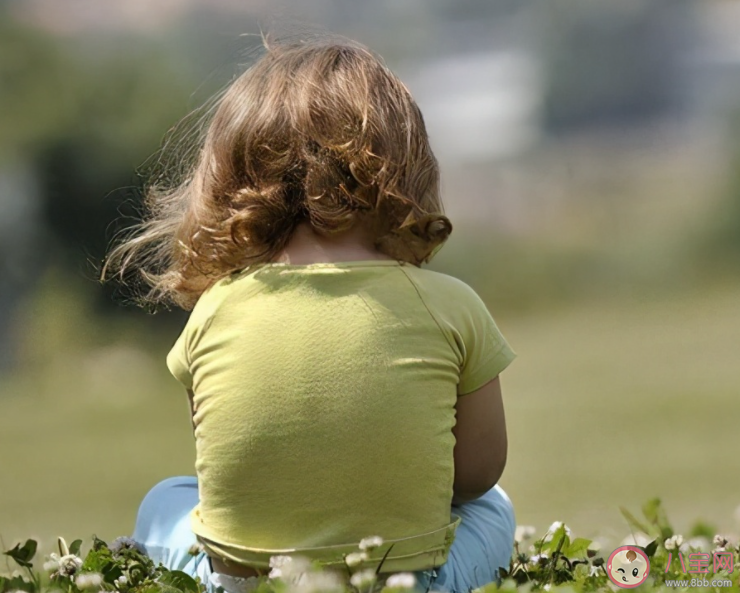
(699, 583)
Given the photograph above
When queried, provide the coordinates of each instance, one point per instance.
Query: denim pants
(483, 542)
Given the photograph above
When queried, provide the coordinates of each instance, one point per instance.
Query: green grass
(616, 401)
(610, 402)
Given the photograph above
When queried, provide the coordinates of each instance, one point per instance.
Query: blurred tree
(85, 115)
(35, 98)
(37, 90)
(721, 244)
(611, 63)
(78, 118)
(125, 104)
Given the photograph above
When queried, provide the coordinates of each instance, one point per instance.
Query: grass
(555, 561)
(619, 400)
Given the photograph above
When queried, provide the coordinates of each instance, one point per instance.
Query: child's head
(319, 131)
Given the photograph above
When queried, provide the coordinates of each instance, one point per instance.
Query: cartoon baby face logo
(628, 567)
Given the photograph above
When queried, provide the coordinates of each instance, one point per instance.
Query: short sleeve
(487, 352)
(178, 362)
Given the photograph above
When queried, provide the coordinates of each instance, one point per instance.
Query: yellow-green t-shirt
(324, 402)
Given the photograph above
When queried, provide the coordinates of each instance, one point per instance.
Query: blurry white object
(637, 539)
(480, 106)
(233, 584)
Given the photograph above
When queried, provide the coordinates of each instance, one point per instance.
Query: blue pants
(483, 542)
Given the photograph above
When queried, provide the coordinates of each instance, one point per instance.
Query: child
(338, 390)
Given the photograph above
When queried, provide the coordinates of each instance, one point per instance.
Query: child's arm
(481, 443)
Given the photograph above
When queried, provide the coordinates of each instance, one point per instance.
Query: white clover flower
(279, 561)
(593, 571)
(122, 543)
(370, 543)
(121, 581)
(524, 532)
(91, 580)
(364, 578)
(673, 542)
(720, 541)
(355, 559)
(69, 565)
(275, 573)
(276, 564)
(554, 527)
(402, 580)
(318, 582)
(288, 567)
(535, 560)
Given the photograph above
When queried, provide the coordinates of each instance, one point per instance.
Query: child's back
(325, 400)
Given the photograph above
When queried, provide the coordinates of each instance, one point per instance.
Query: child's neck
(308, 247)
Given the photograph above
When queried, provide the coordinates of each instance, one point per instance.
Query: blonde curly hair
(320, 131)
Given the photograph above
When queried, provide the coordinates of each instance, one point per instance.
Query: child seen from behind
(338, 389)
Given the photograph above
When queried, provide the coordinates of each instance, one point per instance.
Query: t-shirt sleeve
(178, 361)
(485, 351)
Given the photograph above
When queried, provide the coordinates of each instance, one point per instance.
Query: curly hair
(317, 131)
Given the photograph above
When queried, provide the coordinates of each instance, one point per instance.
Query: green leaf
(98, 543)
(560, 541)
(179, 580)
(111, 572)
(150, 588)
(577, 547)
(634, 522)
(651, 548)
(98, 560)
(74, 547)
(23, 554)
(655, 514)
(703, 529)
(17, 583)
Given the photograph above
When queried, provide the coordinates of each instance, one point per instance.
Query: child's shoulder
(439, 286)
(214, 297)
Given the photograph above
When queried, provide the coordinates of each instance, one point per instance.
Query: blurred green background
(590, 160)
